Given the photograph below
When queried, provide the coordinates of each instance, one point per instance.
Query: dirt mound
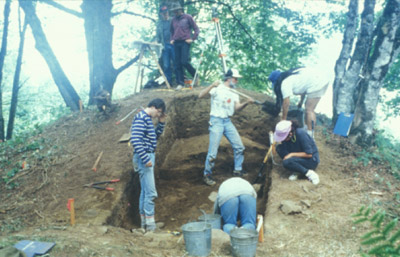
(57, 171)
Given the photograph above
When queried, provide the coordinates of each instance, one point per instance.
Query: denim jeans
(217, 128)
(243, 205)
(168, 56)
(301, 165)
(182, 60)
(147, 185)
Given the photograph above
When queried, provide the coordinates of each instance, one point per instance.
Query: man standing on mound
(144, 141)
(224, 103)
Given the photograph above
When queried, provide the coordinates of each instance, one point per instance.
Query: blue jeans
(242, 205)
(147, 185)
(168, 56)
(217, 128)
(301, 165)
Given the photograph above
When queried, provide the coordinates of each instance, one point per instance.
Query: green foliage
(383, 237)
(385, 152)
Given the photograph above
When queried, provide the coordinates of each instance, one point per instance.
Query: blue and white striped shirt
(144, 136)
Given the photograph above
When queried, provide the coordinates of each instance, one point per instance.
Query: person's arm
(195, 28)
(161, 125)
(207, 90)
(300, 104)
(298, 154)
(285, 107)
(240, 106)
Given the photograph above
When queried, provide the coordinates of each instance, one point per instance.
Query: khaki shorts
(318, 93)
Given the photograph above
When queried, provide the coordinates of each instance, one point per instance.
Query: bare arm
(205, 91)
(239, 106)
(285, 107)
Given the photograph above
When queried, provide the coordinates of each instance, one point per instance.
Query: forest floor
(33, 205)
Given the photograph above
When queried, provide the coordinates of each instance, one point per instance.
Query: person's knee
(287, 163)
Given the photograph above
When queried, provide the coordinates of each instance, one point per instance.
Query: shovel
(260, 172)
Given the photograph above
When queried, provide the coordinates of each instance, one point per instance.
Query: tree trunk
(67, 91)
(15, 90)
(3, 52)
(99, 35)
(345, 54)
(377, 67)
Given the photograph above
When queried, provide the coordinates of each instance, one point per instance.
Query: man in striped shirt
(144, 141)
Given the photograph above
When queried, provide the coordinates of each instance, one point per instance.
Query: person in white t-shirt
(308, 82)
(224, 103)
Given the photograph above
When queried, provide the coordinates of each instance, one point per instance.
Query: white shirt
(223, 101)
(308, 80)
(234, 187)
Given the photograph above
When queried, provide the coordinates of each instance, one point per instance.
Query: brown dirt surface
(33, 205)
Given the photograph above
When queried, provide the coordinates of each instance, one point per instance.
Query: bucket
(213, 219)
(197, 236)
(244, 242)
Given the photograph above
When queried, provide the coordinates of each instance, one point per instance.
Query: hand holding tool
(260, 172)
(248, 97)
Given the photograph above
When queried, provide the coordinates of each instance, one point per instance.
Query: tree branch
(126, 65)
(229, 7)
(62, 8)
(134, 14)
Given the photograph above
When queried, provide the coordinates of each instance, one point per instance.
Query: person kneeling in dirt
(103, 100)
(144, 141)
(236, 200)
(224, 103)
(298, 150)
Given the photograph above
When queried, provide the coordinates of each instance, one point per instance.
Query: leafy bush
(383, 238)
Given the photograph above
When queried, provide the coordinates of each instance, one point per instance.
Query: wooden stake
(80, 106)
(71, 208)
(260, 228)
(97, 161)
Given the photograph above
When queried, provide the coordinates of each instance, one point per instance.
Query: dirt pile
(36, 207)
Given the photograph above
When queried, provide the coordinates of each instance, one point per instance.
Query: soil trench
(180, 158)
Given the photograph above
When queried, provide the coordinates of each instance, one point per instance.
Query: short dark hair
(158, 103)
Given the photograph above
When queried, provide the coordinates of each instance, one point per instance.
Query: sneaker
(237, 173)
(179, 87)
(244, 173)
(294, 177)
(313, 177)
(208, 180)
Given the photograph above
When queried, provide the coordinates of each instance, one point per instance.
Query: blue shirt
(144, 136)
(303, 143)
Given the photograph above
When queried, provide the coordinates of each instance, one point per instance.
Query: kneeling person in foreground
(236, 200)
(297, 149)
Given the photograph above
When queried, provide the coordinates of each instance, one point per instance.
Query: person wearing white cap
(297, 149)
(224, 103)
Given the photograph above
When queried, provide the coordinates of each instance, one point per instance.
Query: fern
(382, 239)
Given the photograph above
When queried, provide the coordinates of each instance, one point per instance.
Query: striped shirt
(144, 136)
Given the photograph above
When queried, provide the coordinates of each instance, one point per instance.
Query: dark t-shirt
(303, 143)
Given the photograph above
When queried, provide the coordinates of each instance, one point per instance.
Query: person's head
(164, 11)
(285, 129)
(232, 76)
(177, 9)
(273, 77)
(156, 107)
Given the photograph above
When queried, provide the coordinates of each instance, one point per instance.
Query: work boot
(208, 180)
(313, 177)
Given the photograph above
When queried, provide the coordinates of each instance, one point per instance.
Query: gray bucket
(213, 219)
(244, 242)
(197, 237)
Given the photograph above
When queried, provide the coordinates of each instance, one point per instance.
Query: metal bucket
(213, 219)
(197, 236)
(244, 242)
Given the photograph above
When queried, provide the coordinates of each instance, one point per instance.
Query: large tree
(65, 87)
(3, 52)
(357, 89)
